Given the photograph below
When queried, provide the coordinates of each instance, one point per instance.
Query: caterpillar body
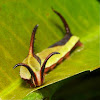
(34, 66)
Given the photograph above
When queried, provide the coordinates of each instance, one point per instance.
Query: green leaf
(17, 19)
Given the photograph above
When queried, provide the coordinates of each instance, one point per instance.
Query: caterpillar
(35, 66)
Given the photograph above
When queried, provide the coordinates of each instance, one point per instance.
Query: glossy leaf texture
(17, 19)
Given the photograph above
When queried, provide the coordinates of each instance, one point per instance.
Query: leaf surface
(17, 19)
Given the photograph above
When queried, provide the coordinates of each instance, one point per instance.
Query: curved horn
(31, 49)
(64, 21)
(43, 65)
(29, 69)
(31, 52)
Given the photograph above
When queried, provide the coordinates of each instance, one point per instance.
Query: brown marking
(67, 55)
(46, 70)
(78, 44)
(53, 66)
(61, 59)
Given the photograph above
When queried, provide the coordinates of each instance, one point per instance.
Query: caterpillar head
(31, 68)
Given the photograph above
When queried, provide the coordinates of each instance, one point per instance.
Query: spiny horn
(43, 65)
(64, 22)
(29, 69)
